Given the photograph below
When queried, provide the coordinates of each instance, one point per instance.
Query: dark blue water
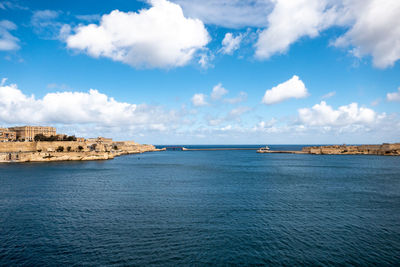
(202, 208)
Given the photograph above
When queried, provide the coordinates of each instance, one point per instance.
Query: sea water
(202, 208)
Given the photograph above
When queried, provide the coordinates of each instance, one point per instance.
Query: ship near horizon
(200, 133)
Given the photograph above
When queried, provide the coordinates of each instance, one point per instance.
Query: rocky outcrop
(67, 151)
(384, 149)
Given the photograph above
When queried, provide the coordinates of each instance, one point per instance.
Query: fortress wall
(17, 146)
(52, 146)
(395, 146)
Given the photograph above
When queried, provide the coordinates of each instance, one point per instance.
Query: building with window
(6, 135)
(28, 133)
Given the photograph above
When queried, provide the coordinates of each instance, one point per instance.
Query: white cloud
(218, 92)
(293, 88)
(289, 21)
(372, 27)
(240, 98)
(393, 96)
(45, 24)
(228, 13)
(3, 81)
(233, 115)
(206, 56)
(324, 115)
(77, 108)
(199, 100)
(230, 43)
(89, 18)
(237, 112)
(267, 126)
(158, 37)
(11, 5)
(329, 95)
(376, 102)
(375, 31)
(43, 15)
(8, 42)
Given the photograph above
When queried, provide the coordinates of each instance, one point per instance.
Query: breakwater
(281, 151)
(216, 149)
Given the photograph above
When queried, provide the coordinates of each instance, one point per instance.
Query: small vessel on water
(263, 149)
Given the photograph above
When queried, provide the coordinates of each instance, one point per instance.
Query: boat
(263, 149)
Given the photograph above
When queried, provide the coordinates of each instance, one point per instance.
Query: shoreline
(18, 152)
(378, 150)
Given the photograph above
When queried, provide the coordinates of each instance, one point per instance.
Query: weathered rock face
(384, 149)
(71, 150)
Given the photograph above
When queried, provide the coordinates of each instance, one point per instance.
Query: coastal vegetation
(53, 138)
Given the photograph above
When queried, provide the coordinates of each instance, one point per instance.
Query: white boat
(263, 149)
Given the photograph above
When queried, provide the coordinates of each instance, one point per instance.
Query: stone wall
(53, 146)
(17, 146)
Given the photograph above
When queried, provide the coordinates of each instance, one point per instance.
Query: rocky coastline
(39, 151)
(383, 149)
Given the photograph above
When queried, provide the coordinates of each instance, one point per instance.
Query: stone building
(6, 135)
(28, 133)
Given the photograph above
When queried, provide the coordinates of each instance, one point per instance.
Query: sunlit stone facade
(6, 135)
(28, 133)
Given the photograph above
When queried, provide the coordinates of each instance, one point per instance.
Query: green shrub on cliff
(43, 138)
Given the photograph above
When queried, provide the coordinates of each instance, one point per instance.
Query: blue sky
(204, 72)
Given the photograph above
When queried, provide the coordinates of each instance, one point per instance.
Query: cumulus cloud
(218, 92)
(292, 88)
(8, 42)
(324, 115)
(375, 32)
(393, 96)
(230, 43)
(289, 21)
(199, 100)
(372, 27)
(78, 108)
(158, 37)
